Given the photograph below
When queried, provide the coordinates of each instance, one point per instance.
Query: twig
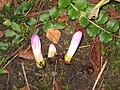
(84, 46)
(99, 75)
(10, 61)
(23, 68)
(54, 73)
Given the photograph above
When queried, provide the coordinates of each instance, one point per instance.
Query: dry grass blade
(99, 75)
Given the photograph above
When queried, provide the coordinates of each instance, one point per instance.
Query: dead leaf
(24, 88)
(93, 1)
(57, 85)
(113, 14)
(32, 14)
(53, 35)
(16, 3)
(3, 2)
(28, 55)
(63, 18)
(95, 55)
(54, 2)
(79, 27)
(1, 34)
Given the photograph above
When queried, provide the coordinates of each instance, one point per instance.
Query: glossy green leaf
(17, 11)
(73, 14)
(16, 39)
(81, 4)
(7, 22)
(55, 12)
(113, 25)
(32, 21)
(103, 17)
(93, 31)
(84, 22)
(105, 37)
(118, 43)
(16, 27)
(47, 26)
(59, 25)
(25, 6)
(63, 3)
(10, 33)
(3, 46)
(44, 16)
(6, 8)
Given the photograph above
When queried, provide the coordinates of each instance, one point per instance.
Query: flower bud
(73, 46)
(52, 51)
(36, 48)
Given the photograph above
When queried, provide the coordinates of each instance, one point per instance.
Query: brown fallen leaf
(1, 34)
(24, 88)
(28, 55)
(57, 85)
(53, 35)
(79, 27)
(16, 3)
(32, 14)
(113, 14)
(95, 54)
(3, 2)
(54, 2)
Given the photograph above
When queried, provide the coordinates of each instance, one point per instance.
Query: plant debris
(53, 35)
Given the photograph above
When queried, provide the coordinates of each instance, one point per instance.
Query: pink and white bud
(73, 46)
(52, 51)
(36, 48)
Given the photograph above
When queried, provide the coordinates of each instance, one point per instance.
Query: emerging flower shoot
(51, 51)
(36, 48)
(73, 46)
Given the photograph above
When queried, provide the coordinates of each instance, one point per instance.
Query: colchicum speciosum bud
(73, 46)
(36, 48)
(52, 51)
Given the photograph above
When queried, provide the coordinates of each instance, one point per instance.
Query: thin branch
(99, 75)
(23, 68)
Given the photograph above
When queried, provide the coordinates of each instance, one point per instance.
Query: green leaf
(17, 10)
(118, 43)
(84, 22)
(16, 39)
(9, 33)
(25, 6)
(105, 37)
(32, 21)
(73, 14)
(103, 17)
(2, 71)
(63, 3)
(113, 25)
(93, 31)
(55, 12)
(47, 26)
(6, 8)
(7, 22)
(44, 16)
(3, 46)
(59, 25)
(16, 27)
(81, 4)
